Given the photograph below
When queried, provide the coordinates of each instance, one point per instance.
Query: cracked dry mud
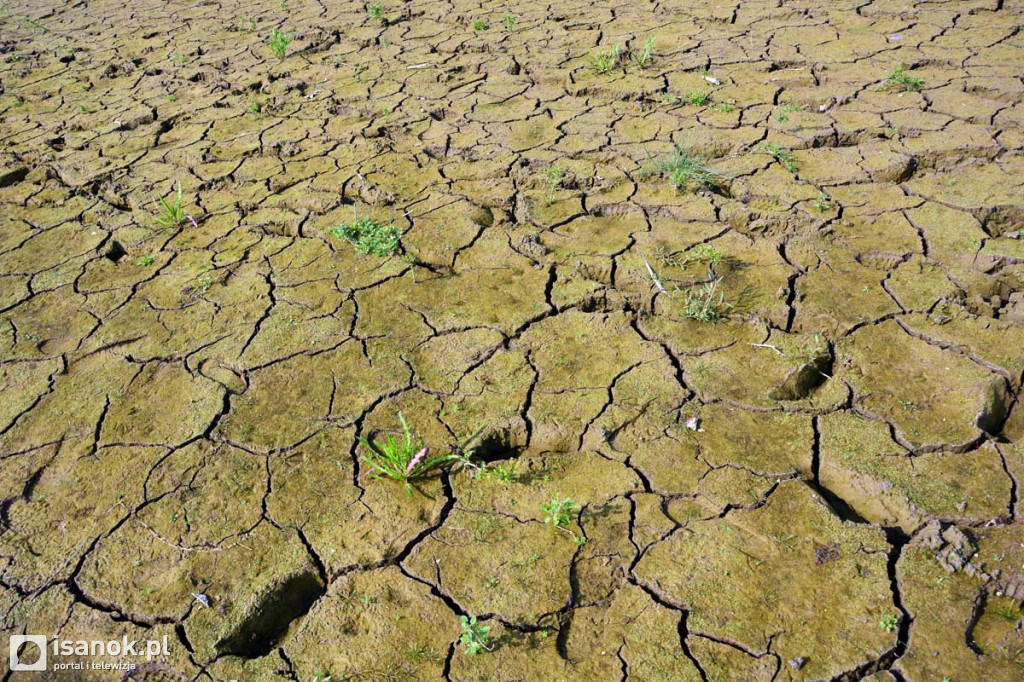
(821, 485)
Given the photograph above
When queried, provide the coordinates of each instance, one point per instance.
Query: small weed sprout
(783, 156)
(509, 20)
(171, 214)
(705, 302)
(815, 350)
(890, 622)
(402, 460)
(480, 25)
(553, 177)
(146, 261)
(253, 111)
(279, 43)
(603, 61)
(701, 253)
(788, 109)
(559, 512)
(686, 169)
(705, 253)
(375, 11)
(321, 676)
(900, 79)
(643, 58)
(823, 203)
(369, 237)
(474, 635)
(422, 653)
(726, 107)
(503, 473)
(697, 98)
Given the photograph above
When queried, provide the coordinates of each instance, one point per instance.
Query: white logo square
(16, 641)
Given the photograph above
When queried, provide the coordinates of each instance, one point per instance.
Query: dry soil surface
(783, 400)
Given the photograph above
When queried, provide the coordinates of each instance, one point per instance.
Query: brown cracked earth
(785, 401)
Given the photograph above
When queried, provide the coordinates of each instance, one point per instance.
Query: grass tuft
(686, 169)
(643, 58)
(369, 237)
(705, 302)
(900, 79)
(783, 156)
(171, 214)
(697, 98)
(553, 177)
(604, 61)
(402, 460)
(278, 43)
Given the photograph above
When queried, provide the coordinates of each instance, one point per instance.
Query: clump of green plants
(900, 79)
(788, 109)
(823, 203)
(697, 98)
(375, 11)
(253, 111)
(603, 61)
(701, 253)
(890, 622)
(783, 156)
(558, 512)
(506, 473)
(686, 169)
(726, 107)
(369, 237)
(278, 43)
(171, 214)
(553, 177)
(474, 636)
(509, 20)
(480, 25)
(421, 653)
(705, 253)
(146, 261)
(246, 25)
(644, 57)
(705, 302)
(403, 460)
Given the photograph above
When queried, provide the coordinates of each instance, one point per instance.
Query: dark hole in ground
(114, 252)
(13, 177)
(496, 445)
(263, 627)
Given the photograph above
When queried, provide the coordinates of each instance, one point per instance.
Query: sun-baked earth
(785, 402)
